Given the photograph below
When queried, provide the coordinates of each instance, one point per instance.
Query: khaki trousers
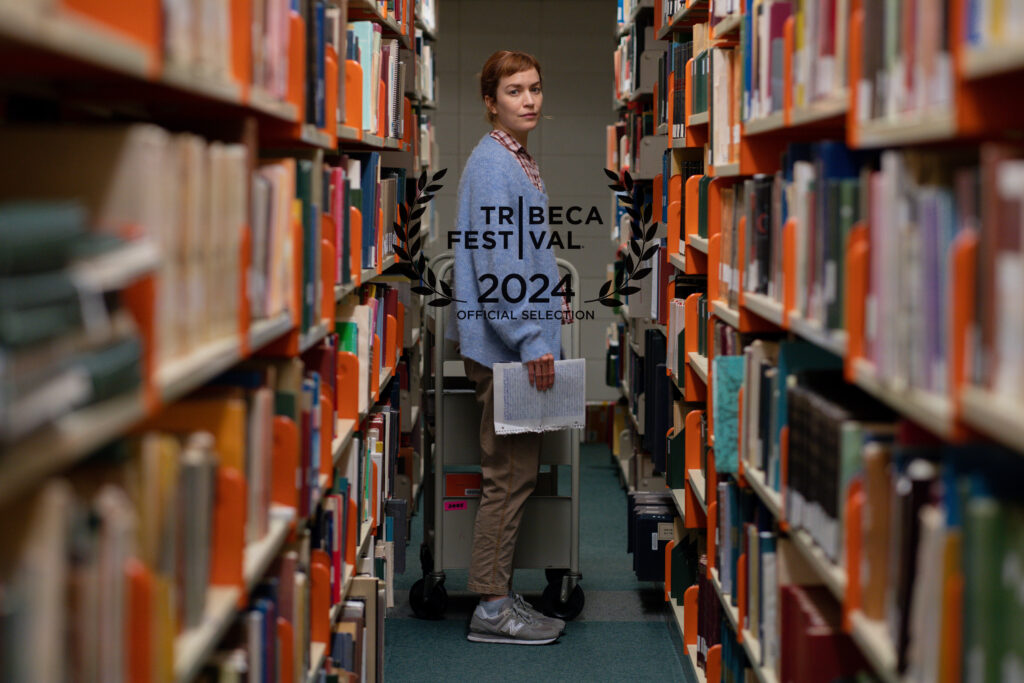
(510, 464)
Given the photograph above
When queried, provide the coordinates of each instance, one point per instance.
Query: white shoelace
(520, 602)
(521, 610)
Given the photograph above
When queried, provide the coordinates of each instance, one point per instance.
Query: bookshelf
(237, 355)
(825, 309)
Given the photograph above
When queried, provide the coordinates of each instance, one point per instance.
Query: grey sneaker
(536, 614)
(512, 625)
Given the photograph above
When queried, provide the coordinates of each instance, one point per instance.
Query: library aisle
(625, 631)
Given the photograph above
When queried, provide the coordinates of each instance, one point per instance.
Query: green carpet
(624, 632)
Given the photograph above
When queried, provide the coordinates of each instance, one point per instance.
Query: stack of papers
(519, 407)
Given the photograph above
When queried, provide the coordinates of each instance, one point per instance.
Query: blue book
(726, 380)
(364, 36)
(312, 475)
(321, 76)
(370, 170)
(268, 660)
(746, 40)
(316, 431)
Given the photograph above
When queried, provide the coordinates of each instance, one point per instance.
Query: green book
(684, 567)
(114, 369)
(27, 292)
(37, 236)
(284, 405)
(20, 328)
(1013, 591)
(702, 206)
(676, 475)
(304, 192)
(984, 537)
(348, 336)
(849, 198)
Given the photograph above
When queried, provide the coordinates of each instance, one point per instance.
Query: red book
(814, 646)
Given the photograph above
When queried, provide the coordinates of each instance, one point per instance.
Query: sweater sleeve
(491, 187)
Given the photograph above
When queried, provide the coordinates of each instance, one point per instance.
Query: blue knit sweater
(505, 332)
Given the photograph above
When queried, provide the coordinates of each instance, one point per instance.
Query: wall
(573, 41)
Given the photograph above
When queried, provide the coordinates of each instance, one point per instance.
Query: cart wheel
(426, 559)
(553, 606)
(430, 606)
(554, 575)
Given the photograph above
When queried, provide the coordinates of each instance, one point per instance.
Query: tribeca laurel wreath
(413, 262)
(632, 269)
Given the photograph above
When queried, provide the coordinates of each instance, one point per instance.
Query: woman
(501, 174)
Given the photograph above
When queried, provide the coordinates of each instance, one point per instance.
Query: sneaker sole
(484, 638)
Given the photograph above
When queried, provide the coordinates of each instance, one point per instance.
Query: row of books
(426, 13)
(916, 217)
(66, 338)
(838, 439)
(724, 80)
(882, 538)
(820, 54)
(199, 42)
(992, 24)
(672, 72)
(253, 647)
(204, 480)
(196, 218)
(195, 215)
(821, 50)
(424, 86)
(906, 60)
(635, 59)
(385, 69)
(778, 622)
(625, 9)
(675, 324)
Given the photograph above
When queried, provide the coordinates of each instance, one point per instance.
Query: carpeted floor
(625, 631)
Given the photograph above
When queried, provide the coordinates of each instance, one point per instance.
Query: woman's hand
(542, 372)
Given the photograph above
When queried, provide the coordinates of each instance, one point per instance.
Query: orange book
(224, 418)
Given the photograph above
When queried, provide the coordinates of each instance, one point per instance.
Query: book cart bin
(549, 536)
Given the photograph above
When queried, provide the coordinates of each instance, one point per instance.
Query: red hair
(503, 63)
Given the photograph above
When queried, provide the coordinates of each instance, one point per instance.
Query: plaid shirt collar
(525, 160)
(510, 143)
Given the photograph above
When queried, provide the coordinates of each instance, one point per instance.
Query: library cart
(549, 536)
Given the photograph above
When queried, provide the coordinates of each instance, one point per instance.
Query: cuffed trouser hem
(484, 589)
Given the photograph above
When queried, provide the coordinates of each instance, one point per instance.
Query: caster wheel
(426, 559)
(553, 606)
(554, 576)
(430, 606)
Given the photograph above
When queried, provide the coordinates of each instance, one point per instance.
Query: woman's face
(519, 101)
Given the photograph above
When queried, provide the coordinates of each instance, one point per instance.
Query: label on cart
(665, 531)
(450, 505)
(462, 484)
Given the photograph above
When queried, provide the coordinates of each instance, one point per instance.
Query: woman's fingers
(546, 371)
(542, 372)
